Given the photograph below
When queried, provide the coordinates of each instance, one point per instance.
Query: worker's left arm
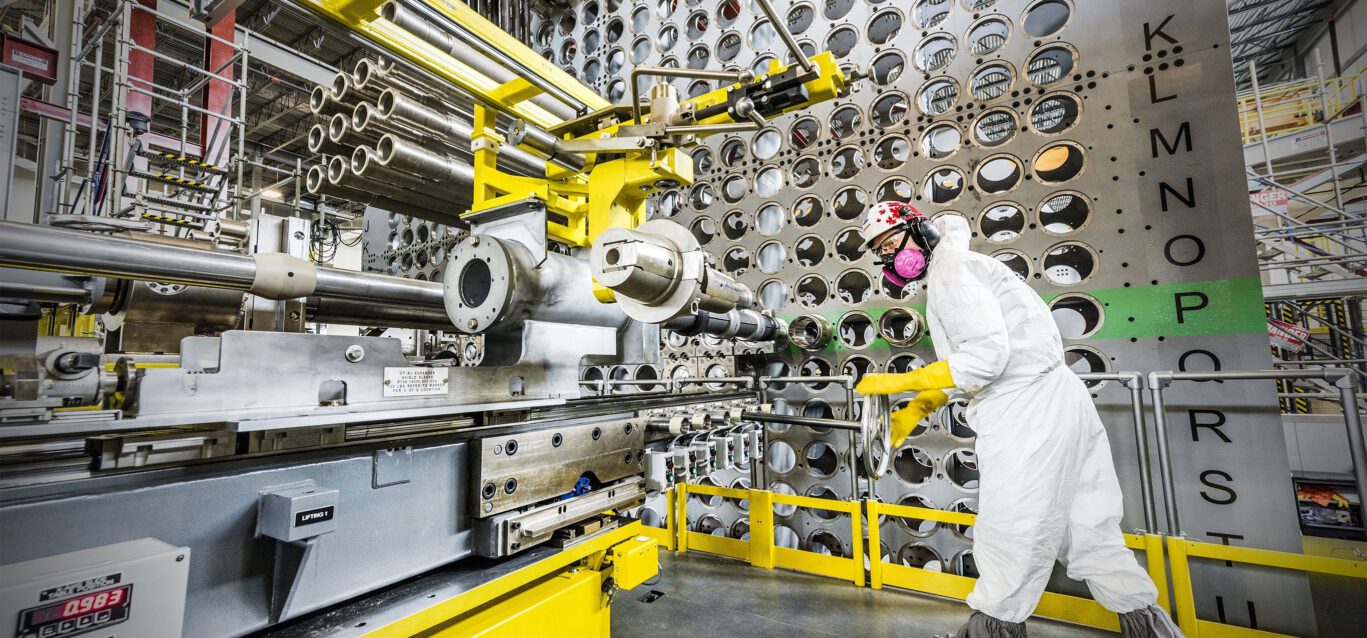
(976, 333)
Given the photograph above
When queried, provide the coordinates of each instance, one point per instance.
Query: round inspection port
(804, 133)
(856, 329)
(941, 141)
(808, 210)
(961, 468)
(567, 23)
(896, 189)
(711, 525)
(846, 121)
(734, 188)
(1046, 18)
(964, 506)
(783, 509)
(592, 40)
(809, 332)
(1083, 360)
(821, 491)
(780, 457)
(650, 517)
(825, 543)
(742, 484)
(668, 204)
(704, 230)
(1077, 316)
(815, 367)
(769, 181)
(943, 185)
(847, 162)
(890, 109)
(732, 152)
(1016, 262)
(715, 371)
(905, 362)
(680, 372)
(884, 26)
(994, 128)
(616, 90)
(772, 256)
(776, 368)
(891, 152)
(1051, 64)
(916, 526)
(1055, 113)
(887, 68)
(1059, 162)
(593, 375)
(902, 327)
(1069, 263)
(785, 537)
(987, 36)
(1065, 212)
(729, 46)
(849, 203)
(856, 366)
(697, 24)
(698, 88)
(773, 294)
(701, 196)
(799, 18)
(707, 500)
(697, 58)
(806, 172)
(727, 11)
(920, 556)
(991, 81)
(615, 29)
(647, 373)
(841, 41)
(812, 291)
(822, 460)
(770, 219)
(954, 417)
(1002, 222)
(937, 96)
(703, 159)
(640, 50)
(836, 9)
(735, 224)
(740, 530)
(854, 287)
(667, 37)
(928, 14)
(998, 174)
(762, 36)
(766, 144)
(569, 49)
(912, 465)
(809, 251)
(736, 261)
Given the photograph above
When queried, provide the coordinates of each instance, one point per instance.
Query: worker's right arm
(973, 324)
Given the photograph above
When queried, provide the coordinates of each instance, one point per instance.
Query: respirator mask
(909, 263)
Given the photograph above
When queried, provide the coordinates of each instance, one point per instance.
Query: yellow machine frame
(580, 205)
(565, 594)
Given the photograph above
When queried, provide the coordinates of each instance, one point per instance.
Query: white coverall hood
(1047, 488)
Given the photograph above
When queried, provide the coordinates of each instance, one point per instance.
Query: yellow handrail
(760, 551)
(1295, 106)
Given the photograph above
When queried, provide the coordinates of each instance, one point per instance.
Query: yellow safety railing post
(1183, 597)
(1157, 568)
(857, 546)
(681, 518)
(762, 529)
(875, 546)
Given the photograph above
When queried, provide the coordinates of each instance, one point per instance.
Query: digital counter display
(76, 615)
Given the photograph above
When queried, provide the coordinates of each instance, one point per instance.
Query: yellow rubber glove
(931, 377)
(905, 420)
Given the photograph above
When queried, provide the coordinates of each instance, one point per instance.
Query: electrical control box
(134, 589)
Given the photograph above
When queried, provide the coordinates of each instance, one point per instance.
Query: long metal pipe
(398, 111)
(317, 183)
(438, 31)
(781, 27)
(77, 252)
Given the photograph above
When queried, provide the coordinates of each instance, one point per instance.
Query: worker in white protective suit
(1047, 488)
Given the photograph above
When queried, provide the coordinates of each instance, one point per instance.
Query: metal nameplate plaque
(415, 381)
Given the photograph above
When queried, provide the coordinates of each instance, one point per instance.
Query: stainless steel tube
(35, 247)
(804, 421)
(394, 105)
(436, 30)
(1157, 383)
(400, 154)
(746, 325)
(782, 28)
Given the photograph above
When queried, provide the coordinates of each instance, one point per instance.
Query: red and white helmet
(883, 217)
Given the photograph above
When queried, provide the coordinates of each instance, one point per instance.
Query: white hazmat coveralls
(1047, 487)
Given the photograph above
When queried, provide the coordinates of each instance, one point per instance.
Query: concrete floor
(712, 596)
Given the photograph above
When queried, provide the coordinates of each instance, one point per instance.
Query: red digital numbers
(92, 602)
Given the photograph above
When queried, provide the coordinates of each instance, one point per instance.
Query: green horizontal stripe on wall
(1232, 306)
